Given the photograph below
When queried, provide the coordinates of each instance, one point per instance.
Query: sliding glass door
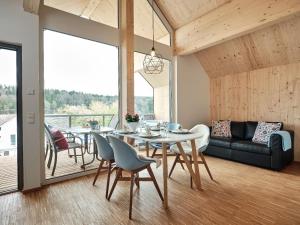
(10, 118)
(80, 88)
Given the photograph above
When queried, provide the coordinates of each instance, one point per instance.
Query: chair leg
(154, 153)
(191, 179)
(82, 156)
(154, 182)
(50, 157)
(206, 166)
(75, 156)
(119, 171)
(181, 164)
(98, 171)
(174, 164)
(47, 149)
(55, 162)
(69, 153)
(131, 194)
(108, 179)
(137, 182)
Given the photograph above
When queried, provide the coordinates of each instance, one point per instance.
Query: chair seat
(159, 145)
(187, 148)
(72, 145)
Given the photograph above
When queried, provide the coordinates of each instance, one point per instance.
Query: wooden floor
(241, 194)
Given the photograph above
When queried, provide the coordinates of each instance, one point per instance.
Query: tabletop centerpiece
(93, 124)
(132, 121)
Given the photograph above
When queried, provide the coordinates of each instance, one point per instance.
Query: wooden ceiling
(275, 45)
(182, 12)
(106, 12)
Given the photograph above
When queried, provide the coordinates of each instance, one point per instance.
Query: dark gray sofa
(240, 147)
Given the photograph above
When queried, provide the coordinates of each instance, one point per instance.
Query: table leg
(196, 165)
(188, 165)
(147, 148)
(165, 174)
(95, 155)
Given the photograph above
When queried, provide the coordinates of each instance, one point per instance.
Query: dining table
(166, 140)
(87, 132)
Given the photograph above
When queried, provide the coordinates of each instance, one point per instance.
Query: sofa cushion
(250, 129)
(221, 128)
(264, 130)
(220, 142)
(237, 129)
(249, 146)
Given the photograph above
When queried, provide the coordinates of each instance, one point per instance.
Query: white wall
(192, 92)
(22, 28)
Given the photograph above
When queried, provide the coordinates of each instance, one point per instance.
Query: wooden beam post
(31, 6)
(127, 57)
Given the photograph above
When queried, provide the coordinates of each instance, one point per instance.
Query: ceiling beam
(237, 18)
(31, 6)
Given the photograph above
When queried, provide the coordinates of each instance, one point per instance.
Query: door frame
(18, 50)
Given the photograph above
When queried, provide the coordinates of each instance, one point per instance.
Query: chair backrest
(125, 156)
(49, 136)
(104, 149)
(173, 126)
(114, 122)
(201, 143)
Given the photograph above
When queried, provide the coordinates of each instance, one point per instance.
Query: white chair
(201, 145)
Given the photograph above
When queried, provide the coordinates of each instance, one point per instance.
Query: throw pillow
(221, 128)
(264, 130)
(58, 135)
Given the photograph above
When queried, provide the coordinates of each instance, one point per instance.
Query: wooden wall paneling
(269, 94)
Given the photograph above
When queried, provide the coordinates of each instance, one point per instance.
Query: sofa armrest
(280, 158)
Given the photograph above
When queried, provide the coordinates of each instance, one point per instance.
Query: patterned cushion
(221, 128)
(60, 140)
(264, 130)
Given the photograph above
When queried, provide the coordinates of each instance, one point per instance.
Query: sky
(8, 67)
(73, 63)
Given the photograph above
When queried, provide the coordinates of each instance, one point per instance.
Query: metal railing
(73, 120)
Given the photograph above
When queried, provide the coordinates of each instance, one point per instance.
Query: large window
(81, 84)
(152, 91)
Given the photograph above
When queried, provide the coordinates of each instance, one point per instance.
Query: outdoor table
(86, 132)
(171, 139)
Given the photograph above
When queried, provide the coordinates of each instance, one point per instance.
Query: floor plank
(240, 194)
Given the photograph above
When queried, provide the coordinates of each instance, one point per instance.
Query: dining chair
(201, 145)
(106, 153)
(156, 146)
(54, 148)
(114, 122)
(126, 159)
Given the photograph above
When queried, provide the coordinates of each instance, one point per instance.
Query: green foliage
(72, 102)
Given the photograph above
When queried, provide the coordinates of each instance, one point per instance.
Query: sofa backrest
(244, 130)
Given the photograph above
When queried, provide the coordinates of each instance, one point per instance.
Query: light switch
(30, 118)
(30, 92)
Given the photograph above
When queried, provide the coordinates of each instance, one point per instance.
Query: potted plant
(93, 124)
(132, 121)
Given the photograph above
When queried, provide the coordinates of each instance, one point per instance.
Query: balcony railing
(73, 120)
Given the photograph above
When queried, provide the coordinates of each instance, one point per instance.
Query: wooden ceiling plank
(275, 45)
(31, 6)
(90, 8)
(232, 20)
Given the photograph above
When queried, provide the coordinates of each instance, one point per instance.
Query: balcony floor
(65, 166)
